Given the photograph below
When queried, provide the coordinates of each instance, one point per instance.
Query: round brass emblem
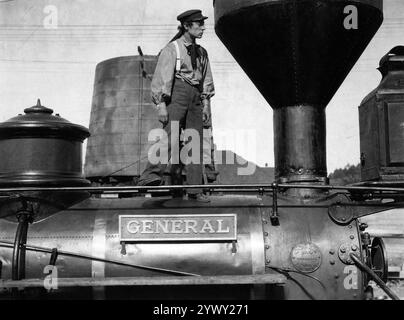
(306, 257)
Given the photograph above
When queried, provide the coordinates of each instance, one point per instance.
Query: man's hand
(207, 115)
(162, 112)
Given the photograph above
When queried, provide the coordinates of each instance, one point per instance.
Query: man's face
(196, 29)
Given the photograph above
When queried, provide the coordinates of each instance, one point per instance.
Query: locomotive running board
(266, 279)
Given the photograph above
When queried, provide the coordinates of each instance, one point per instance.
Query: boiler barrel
(306, 243)
(92, 229)
(122, 115)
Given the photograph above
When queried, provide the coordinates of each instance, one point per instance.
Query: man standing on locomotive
(181, 88)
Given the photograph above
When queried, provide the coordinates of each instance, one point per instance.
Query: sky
(55, 60)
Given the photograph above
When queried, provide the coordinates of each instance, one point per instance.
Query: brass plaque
(190, 227)
(306, 257)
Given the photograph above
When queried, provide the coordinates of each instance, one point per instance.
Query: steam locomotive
(65, 235)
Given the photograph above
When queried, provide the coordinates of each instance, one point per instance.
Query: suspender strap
(178, 64)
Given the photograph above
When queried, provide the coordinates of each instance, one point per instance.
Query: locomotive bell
(39, 149)
(297, 53)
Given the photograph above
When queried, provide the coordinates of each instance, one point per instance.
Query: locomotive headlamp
(381, 121)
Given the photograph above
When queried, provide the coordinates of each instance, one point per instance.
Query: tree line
(347, 175)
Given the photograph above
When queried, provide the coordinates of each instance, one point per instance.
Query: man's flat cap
(191, 15)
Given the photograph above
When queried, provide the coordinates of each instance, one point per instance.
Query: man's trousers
(184, 112)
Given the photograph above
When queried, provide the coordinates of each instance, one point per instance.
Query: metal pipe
(374, 277)
(300, 144)
(18, 262)
(236, 187)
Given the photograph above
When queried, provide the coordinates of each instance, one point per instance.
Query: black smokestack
(298, 53)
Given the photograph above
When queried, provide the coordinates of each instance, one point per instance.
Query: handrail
(235, 187)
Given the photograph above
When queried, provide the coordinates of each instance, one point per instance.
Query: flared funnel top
(297, 51)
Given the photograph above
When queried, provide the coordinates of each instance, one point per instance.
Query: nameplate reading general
(201, 227)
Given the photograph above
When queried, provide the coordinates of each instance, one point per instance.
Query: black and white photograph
(218, 152)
